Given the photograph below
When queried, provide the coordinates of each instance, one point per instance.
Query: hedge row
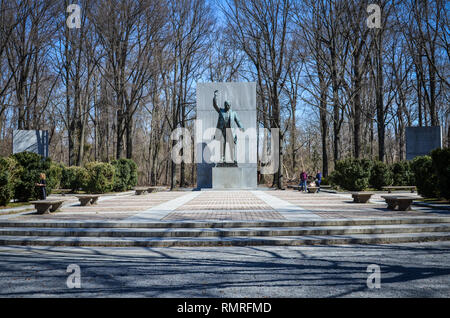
(100, 177)
(431, 174)
(359, 174)
(351, 174)
(441, 165)
(9, 171)
(20, 172)
(126, 174)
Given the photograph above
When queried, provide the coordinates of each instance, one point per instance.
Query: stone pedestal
(233, 178)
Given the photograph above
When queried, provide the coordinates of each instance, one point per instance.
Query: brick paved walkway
(225, 206)
(108, 208)
(328, 205)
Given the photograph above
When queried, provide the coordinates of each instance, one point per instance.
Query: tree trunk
(401, 134)
(379, 97)
(324, 133)
(336, 108)
(129, 136)
(293, 137)
(119, 135)
(173, 170)
(183, 125)
(356, 106)
(276, 123)
(432, 74)
(419, 94)
(323, 120)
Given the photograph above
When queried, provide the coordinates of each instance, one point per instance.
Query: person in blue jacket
(318, 179)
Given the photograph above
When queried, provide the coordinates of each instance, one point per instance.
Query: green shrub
(6, 190)
(380, 175)
(441, 166)
(74, 178)
(9, 171)
(402, 174)
(54, 177)
(101, 177)
(352, 174)
(125, 174)
(325, 181)
(32, 165)
(425, 177)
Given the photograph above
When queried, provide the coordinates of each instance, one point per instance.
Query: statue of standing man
(225, 122)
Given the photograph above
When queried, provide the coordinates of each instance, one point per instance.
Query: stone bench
(155, 189)
(141, 191)
(399, 203)
(313, 189)
(361, 197)
(86, 200)
(391, 188)
(47, 206)
(63, 191)
(300, 188)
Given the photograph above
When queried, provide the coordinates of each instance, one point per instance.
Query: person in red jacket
(303, 181)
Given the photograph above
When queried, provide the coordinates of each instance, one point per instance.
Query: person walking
(318, 180)
(43, 185)
(304, 181)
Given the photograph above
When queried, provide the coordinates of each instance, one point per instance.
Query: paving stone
(226, 206)
(328, 205)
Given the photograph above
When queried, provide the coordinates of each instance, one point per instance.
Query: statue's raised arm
(215, 102)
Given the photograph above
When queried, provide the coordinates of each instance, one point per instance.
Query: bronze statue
(226, 119)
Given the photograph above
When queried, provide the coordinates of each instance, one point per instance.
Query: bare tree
(260, 29)
(127, 32)
(191, 26)
(8, 23)
(28, 39)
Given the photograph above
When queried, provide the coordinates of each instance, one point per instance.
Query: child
(42, 185)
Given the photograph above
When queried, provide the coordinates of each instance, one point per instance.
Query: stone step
(224, 224)
(224, 232)
(227, 241)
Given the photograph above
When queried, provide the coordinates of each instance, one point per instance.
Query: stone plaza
(216, 218)
(248, 243)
